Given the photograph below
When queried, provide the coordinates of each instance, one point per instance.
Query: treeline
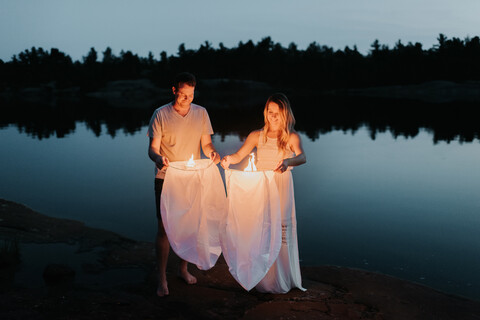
(317, 66)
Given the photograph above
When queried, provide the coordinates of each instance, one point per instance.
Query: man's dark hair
(184, 78)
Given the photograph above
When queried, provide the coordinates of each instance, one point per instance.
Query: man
(176, 131)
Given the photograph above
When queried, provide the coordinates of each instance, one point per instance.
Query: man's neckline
(178, 113)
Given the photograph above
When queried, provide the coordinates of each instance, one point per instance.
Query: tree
(375, 47)
(91, 57)
(150, 59)
(181, 50)
(108, 57)
(265, 45)
(163, 57)
(442, 39)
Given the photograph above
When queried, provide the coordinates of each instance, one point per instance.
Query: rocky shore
(139, 94)
(430, 92)
(223, 93)
(333, 292)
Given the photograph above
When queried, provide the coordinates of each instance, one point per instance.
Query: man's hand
(162, 162)
(215, 157)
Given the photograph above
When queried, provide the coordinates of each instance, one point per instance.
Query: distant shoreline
(142, 93)
(432, 92)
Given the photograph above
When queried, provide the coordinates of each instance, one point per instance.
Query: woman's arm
(246, 148)
(296, 146)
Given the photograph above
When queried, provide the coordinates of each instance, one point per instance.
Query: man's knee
(161, 230)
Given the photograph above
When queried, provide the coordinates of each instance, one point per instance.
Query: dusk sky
(74, 26)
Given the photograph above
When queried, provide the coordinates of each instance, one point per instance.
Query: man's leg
(183, 271)
(162, 246)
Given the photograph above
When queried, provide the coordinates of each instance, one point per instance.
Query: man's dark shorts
(158, 193)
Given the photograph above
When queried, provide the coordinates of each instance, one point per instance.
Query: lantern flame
(190, 163)
(251, 163)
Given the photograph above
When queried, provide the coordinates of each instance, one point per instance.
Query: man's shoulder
(164, 108)
(198, 111)
(197, 107)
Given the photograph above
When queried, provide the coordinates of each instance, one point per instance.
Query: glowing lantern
(193, 204)
(190, 163)
(251, 235)
(251, 163)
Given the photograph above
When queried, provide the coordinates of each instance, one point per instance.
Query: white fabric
(251, 234)
(285, 272)
(193, 204)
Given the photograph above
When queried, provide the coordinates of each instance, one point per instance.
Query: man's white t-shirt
(180, 135)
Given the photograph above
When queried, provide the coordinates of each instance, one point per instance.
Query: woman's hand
(282, 166)
(226, 162)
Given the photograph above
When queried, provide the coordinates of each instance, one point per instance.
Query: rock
(58, 273)
(139, 93)
(431, 92)
(332, 292)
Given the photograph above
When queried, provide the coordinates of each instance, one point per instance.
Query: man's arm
(154, 153)
(209, 149)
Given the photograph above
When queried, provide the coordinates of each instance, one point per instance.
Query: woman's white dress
(284, 274)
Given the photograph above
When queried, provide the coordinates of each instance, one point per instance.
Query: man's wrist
(160, 160)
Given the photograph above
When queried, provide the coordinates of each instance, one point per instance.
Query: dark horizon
(318, 66)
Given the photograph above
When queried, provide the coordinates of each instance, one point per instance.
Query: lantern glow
(251, 163)
(190, 163)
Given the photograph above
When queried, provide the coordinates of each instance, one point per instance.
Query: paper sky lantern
(252, 233)
(193, 204)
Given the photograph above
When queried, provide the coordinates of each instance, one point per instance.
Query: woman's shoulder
(254, 136)
(256, 133)
(294, 136)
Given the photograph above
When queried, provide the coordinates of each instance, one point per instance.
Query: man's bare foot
(189, 278)
(162, 289)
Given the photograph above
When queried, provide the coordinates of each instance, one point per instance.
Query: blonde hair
(286, 117)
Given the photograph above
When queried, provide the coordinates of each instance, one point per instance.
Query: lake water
(406, 207)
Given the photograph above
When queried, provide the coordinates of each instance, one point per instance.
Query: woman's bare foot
(187, 276)
(162, 289)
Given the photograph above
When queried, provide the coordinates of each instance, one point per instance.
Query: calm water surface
(404, 207)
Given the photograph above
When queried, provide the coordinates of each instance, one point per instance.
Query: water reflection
(403, 118)
(381, 191)
(404, 207)
(45, 121)
(316, 115)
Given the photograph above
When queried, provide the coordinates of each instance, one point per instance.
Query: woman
(279, 148)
